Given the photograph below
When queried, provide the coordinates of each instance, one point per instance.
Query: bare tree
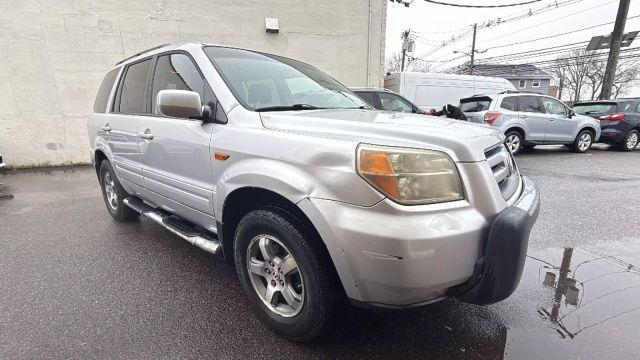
(559, 73)
(577, 65)
(627, 75)
(394, 64)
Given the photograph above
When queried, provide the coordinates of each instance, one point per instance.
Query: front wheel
(284, 275)
(514, 141)
(583, 142)
(630, 141)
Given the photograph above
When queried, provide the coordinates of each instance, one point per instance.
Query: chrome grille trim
(504, 169)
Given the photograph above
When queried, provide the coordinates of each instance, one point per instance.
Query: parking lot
(75, 284)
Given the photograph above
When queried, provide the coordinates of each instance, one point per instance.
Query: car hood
(463, 141)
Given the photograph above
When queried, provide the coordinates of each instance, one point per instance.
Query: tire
(630, 141)
(311, 287)
(514, 141)
(583, 142)
(113, 194)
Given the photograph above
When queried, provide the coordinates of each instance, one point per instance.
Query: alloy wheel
(275, 275)
(584, 142)
(513, 143)
(632, 141)
(110, 190)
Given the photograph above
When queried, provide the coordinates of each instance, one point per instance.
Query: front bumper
(395, 256)
(497, 272)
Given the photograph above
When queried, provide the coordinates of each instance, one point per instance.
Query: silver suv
(529, 119)
(309, 193)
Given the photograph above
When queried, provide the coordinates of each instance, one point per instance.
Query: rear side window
(625, 107)
(509, 103)
(131, 95)
(529, 104)
(100, 105)
(371, 98)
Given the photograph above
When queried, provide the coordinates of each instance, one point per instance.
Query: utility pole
(405, 46)
(473, 48)
(614, 51)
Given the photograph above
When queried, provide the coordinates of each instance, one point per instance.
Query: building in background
(524, 77)
(54, 54)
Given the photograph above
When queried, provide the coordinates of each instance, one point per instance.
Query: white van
(434, 90)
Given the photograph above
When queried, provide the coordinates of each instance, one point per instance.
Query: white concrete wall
(54, 53)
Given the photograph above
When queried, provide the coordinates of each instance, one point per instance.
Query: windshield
(264, 82)
(591, 108)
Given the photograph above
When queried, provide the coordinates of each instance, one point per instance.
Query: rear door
(128, 106)
(532, 115)
(561, 128)
(175, 151)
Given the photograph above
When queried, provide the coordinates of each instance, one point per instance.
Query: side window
(529, 104)
(177, 72)
(100, 105)
(132, 92)
(509, 103)
(638, 108)
(553, 106)
(371, 98)
(393, 102)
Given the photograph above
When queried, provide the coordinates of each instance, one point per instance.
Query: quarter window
(100, 105)
(529, 104)
(522, 84)
(509, 103)
(132, 93)
(177, 72)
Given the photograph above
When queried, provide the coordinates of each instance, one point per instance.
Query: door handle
(106, 128)
(146, 135)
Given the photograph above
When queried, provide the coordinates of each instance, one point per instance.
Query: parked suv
(312, 198)
(383, 99)
(619, 120)
(529, 119)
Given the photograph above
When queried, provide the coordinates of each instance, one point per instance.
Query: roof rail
(141, 52)
(509, 92)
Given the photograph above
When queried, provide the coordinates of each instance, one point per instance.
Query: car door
(560, 128)
(533, 117)
(392, 102)
(175, 151)
(122, 124)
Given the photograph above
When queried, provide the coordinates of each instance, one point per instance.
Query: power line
(482, 6)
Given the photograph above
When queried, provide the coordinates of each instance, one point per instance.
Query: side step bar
(176, 225)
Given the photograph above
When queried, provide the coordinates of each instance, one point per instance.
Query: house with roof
(525, 77)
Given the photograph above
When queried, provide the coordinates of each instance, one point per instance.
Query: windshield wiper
(293, 107)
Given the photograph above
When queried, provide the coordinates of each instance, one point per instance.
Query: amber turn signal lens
(376, 167)
(221, 156)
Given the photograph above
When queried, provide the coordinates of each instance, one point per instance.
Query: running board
(176, 225)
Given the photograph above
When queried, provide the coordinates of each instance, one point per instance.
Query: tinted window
(625, 107)
(371, 98)
(529, 104)
(260, 80)
(100, 105)
(509, 103)
(393, 102)
(594, 108)
(553, 106)
(132, 93)
(176, 72)
(475, 105)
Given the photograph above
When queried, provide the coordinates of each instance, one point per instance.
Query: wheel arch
(518, 129)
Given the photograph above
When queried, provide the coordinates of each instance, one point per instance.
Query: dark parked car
(619, 120)
(383, 99)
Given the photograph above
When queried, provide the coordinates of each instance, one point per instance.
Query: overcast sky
(434, 24)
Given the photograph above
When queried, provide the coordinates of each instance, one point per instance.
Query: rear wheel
(630, 141)
(514, 141)
(113, 194)
(583, 142)
(284, 276)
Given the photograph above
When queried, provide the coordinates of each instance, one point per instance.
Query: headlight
(410, 176)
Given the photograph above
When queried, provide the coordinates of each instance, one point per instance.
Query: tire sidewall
(576, 147)
(624, 142)
(122, 213)
(510, 133)
(309, 321)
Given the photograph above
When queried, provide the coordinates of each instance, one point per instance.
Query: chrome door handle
(146, 135)
(106, 128)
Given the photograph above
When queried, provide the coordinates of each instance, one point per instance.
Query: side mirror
(179, 103)
(572, 113)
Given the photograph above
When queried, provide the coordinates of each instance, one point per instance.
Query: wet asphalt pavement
(75, 284)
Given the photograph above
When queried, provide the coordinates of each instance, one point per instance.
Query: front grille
(504, 169)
